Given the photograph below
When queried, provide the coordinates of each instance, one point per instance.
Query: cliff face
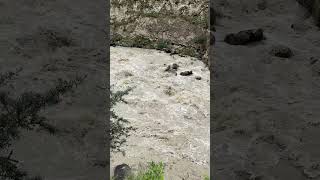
(175, 26)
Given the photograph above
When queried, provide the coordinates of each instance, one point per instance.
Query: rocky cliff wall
(174, 26)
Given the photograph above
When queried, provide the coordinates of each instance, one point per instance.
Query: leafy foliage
(23, 113)
(155, 171)
(119, 129)
(163, 44)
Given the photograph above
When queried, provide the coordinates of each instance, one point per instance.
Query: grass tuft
(155, 171)
(163, 44)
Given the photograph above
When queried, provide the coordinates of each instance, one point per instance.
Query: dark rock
(172, 68)
(167, 50)
(198, 78)
(174, 52)
(244, 37)
(281, 51)
(122, 171)
(168, 68)
(186, 73)
(175, 66)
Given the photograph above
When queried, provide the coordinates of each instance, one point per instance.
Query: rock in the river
(168, 68)
(244, 37)
(281, 51)
(186, 73)
(172, 68)
(175, 66)
(122, 171)
(198, 78)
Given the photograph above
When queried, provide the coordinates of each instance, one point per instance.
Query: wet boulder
(186, 73)
(281, 51)
(244, 37)
(122, 171)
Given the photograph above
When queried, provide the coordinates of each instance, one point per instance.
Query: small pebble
(198, 78)
(168, 68)
(175, 66)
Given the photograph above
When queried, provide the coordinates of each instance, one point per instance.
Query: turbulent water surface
(171, 111)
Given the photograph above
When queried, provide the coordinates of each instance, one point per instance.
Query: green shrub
(23, 112)
(154, 172)
(188, 51)
(141, 41)
(201, 39)
(162, 44)
(115, 38)
(119, 129)
(152, 14)
(138, 41)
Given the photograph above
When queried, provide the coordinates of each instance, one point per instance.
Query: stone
(198, 78)
(167, 50)
(168, 68)
(172, 68)
(281, 51)
(175, 66)
(244, 37)
(186, 73)
(122, 171)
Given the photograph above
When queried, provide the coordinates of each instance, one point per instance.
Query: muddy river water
(169, 110)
